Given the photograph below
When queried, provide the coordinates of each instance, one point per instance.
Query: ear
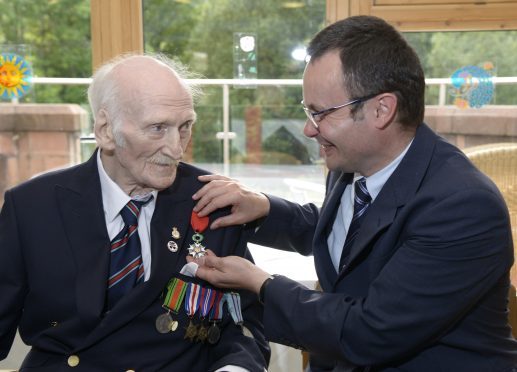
(103, 129)
(385, 109)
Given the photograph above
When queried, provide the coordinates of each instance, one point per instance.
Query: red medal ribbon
(199, 224)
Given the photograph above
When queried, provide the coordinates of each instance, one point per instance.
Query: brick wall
(35, 138)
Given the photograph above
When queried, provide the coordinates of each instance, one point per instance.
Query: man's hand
(247, 205)
(229, 272)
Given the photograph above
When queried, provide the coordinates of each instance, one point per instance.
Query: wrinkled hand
(246, 205)
(229, 272)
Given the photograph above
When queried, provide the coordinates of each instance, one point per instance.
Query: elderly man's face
(148, 138)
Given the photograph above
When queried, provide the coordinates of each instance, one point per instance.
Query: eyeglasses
(316, 117)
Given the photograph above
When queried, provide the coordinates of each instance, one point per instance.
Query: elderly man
(412, 245)
(92, 256)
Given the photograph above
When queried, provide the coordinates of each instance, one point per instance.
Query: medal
(213, 334)
(191, 331)
(199, 224)
(176, 289)
(175, 233)
(191, 306)
(206, 301)
(216, 314)
(172, 246)
(202, 333)
(163, 323)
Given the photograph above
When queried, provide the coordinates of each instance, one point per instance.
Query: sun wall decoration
(15, 76)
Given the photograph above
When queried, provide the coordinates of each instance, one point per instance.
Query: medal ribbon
(233, 301)
(217, 310)
(206, 301)
(199, 224)
(192, 303)
(176, 289)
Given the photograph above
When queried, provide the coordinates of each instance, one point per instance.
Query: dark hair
(375, 58)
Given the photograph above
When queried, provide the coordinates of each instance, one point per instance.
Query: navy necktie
(126, 265)
(362, 201)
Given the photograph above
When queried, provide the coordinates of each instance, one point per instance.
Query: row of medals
(193, 332)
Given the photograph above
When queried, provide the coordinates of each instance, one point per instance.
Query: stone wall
(472, 127)
(35, 138)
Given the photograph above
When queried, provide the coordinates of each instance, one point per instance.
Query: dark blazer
(426, 284)
(54, 254)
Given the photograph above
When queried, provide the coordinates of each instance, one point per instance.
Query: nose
(309, 130)
(173, 144)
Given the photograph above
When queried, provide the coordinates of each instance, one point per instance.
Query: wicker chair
(499, 162)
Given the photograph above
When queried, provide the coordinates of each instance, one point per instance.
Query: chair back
(499, 162)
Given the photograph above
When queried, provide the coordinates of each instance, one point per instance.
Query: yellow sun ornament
(15, 76)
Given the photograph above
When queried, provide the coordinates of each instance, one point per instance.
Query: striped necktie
(126, 265)
(362, 201)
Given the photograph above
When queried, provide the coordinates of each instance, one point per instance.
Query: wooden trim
(116, 28)
(425, 15)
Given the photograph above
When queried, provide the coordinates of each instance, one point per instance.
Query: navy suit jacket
(54, 255)
(426, 284)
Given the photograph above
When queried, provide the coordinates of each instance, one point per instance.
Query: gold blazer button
(73, 360)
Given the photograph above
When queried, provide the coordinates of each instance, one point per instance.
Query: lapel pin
(175, 233)
(172, 246)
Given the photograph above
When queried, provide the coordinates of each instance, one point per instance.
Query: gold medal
(202, 333)
(191, 331)
(175, 233)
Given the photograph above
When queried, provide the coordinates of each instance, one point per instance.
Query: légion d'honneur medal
(216, 314)
(176, 289)
(191, 306)
(199, 224)
(206, 301)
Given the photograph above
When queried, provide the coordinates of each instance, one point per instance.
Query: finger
(210, 192)
(229, 220)
(215, 199)
(212, 177)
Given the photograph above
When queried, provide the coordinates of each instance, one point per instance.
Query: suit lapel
(80, 204)
(325, 269)
(398, 189)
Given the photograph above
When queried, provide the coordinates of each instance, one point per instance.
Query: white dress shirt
(374, 184)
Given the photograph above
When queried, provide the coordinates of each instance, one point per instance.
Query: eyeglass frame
(311, 115)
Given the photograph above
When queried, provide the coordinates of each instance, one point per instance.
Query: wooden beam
(116, 28)
(437, 15)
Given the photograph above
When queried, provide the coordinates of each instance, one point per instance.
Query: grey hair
(103, 92)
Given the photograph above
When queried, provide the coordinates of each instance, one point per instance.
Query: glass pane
(240, 39)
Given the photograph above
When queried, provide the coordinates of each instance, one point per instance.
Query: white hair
(103, 92)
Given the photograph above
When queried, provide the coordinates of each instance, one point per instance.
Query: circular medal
(174, 325)
(163, 323)
(213, 334)
(172, 246)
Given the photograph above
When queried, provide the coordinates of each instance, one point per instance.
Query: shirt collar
(113, 197)
(376, 181)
